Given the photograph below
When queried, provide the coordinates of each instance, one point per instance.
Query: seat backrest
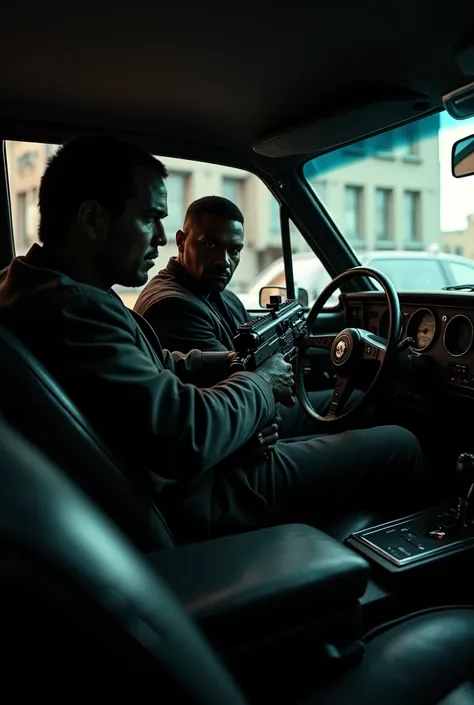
(81, 609)
(33, 403)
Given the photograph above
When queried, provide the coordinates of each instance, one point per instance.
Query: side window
(26, 163)
(460, 273)
(261, 262)
(411, 274)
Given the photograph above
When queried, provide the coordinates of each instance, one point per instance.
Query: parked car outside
(409, 271)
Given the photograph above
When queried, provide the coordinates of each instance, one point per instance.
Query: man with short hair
(180, 423)
(193, 284)
(189, 307)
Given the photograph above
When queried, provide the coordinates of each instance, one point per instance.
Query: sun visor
(339, 124)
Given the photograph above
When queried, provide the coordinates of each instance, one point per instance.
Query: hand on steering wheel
(350, 348)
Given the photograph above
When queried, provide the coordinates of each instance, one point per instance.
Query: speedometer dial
(422, 328)
(458, 335)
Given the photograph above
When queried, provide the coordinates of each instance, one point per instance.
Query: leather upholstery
(45, 520)
(48, 418)
(464, 695)
(276, 576)
(419, 661)
(62, 556)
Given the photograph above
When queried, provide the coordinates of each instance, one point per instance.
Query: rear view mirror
(462, 157)
(459, 104)
(267, 291)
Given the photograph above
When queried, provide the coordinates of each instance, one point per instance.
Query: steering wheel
(350, 348)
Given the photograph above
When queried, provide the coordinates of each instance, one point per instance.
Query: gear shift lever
(465, 476)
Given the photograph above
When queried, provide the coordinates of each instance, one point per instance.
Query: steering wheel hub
(342, 348)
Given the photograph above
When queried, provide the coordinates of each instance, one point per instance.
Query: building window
(383, 214)
(412, 145)
(384, 145)
(176, 184)
(354, 197)
(21, 217)
(27, 159)
(413, 216)
(413, 149)
(232, 190)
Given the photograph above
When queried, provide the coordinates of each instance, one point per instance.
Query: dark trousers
(308, 478)
(296, 422)
(319, 479)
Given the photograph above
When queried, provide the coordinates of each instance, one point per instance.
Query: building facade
(384, 193)
(387, 201)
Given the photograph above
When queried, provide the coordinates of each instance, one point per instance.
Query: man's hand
(265, 440)
(263, 443)
(279, 375)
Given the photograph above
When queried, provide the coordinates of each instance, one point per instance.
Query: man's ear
(93, 220)
(180, 238)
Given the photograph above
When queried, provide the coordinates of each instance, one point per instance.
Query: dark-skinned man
(180, 421)
(189, 307)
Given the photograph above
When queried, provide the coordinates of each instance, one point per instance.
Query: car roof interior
(239, 86)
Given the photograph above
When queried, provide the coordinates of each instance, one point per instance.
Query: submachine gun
(278, 331)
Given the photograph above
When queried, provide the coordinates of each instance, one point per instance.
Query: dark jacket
(139, 396)
(183, 318)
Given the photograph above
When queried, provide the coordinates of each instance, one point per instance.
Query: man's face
(210, 250)
(133, 237)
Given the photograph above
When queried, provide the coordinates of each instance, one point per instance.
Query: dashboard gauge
(422, 328)
(458, 335)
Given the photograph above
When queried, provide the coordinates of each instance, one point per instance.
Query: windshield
(395, 201)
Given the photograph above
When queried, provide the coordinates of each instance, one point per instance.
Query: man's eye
(210, 245)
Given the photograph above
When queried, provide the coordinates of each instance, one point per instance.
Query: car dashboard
(442, 326)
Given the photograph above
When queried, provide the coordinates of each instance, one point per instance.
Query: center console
(247, 587)
(418, 541)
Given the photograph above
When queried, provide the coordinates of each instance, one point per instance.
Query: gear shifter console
(444, 529)
(465, 473)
